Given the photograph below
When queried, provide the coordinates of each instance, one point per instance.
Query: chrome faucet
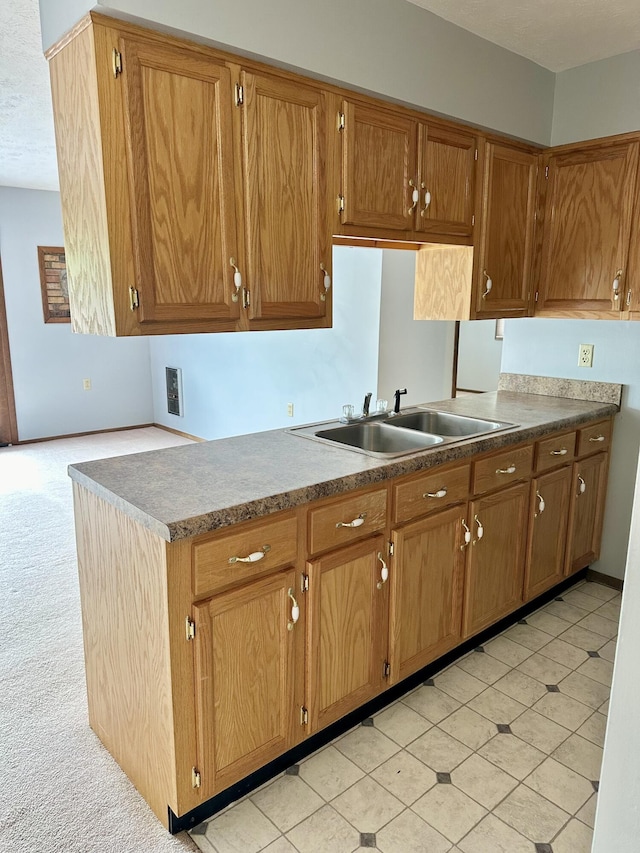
(397, 394)
(365, 405)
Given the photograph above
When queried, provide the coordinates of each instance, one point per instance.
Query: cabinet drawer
(220, 562)
(555, 450)
(430, 491)
(347, 519)
(593, 438)
(502, 469)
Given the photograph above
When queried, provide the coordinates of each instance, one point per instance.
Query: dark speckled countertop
(184, 491)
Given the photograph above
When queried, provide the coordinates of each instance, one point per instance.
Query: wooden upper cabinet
(446, 169)
(287, 223)
(504, 248)
(588, 209)
(379, 169)
(177, 109)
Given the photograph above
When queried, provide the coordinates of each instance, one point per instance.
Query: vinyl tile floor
(498, 753)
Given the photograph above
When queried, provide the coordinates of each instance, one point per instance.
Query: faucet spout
(365, 405)
(397, 394)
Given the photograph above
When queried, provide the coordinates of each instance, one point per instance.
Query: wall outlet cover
(585, 355)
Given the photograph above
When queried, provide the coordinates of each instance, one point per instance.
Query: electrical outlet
(585, 355)
(86, 384)
(290, 409)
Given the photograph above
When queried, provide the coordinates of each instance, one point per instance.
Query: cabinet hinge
(196, 779)
(239, 95)
(246, 297)
(116, 58)
(341, 121)
(390, 549)
(134, 298)
(546, 173)
(190, 628)
(340, 203)
(536, 299)
(386, 669)
(304, 583)
(304, 716)
(629, 297)
(475, 156)
(473, 219)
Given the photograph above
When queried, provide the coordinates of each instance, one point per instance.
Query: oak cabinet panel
(504, 249)
(554, 451)
(429, 492)
(347, 630)
(287, 227)
(495, 558)
(546, 545)
(587, 511)
(340, 521)
(245, 668)
(594, 438)
(587, 226)
(426, 591)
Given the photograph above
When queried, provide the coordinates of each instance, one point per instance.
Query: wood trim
(7, 399)
(82, 24)
(80, 434)
(177, 432)
(606, 580)
(372, 243)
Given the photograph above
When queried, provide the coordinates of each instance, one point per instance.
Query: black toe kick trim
(311, 744)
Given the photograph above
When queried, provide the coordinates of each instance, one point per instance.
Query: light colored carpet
(60, 790)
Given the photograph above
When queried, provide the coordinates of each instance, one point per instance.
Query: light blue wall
(390, 47)
(236, 383)
(550, 348)
(48, 361)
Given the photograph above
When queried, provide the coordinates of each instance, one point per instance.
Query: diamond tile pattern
(498, 753)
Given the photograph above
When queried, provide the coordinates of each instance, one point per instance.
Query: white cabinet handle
(616, 285)
(384, 572)
(480, 532)
(541, 504)
(562, 452)
(326, 281)
(467, 534)
(427, 200)
(582, 487)
(357, 522)
(488, 285)
(237, 279)
(295, 611)
(510, 470)
(597, 438)
(415, 197)
(441, 493)
(252, 558)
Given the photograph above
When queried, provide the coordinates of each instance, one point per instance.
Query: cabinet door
(506, 232)
(179, 148)
(548, 524)
(287, 230)
(248, 667)
(587, 511)
(446, 167)
(587, 227)
(378, 162)
(426, 591)
(347, 630)
(495, 557)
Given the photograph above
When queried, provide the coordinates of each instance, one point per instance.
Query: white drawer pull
(480, 532)
(562, 452)
(467, 534)
(541, 504)
(357, 522)
(510, 470)
(384, 572)
(295, 611)
(441, 493)
(582, 487)
(252, 558)
(597, 438)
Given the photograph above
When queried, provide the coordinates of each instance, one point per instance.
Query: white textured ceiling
(27, 144)
(557, 34)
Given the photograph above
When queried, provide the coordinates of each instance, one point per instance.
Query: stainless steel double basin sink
(398, 435)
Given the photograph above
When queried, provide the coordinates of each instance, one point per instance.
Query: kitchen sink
(446, 424)
(379, 439)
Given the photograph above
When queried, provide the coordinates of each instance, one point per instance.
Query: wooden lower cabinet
(587, 511)
(426, 588)
(548, 512)
(247, 667)
(347, 633)
(495, 557)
